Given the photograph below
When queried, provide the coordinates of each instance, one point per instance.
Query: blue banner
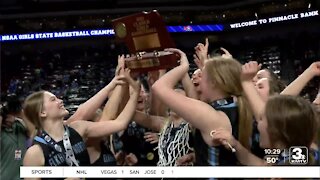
(101, 32)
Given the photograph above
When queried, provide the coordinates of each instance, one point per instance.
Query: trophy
(146, 36)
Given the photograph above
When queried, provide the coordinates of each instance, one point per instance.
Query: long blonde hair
(32, 108)
(225, 74)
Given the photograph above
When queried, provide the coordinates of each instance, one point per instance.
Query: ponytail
(245, 122)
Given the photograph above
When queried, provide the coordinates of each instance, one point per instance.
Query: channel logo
(298, 155)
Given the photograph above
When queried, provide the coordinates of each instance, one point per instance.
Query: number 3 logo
(297, 154)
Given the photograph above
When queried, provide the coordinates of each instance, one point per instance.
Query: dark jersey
(56, 158)
(214, 156)
(106, 157)
(255, 146)
(134, 142)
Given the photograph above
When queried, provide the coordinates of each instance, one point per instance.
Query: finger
(249, 66)
(180, 160)
(121, 82)
(174, 50)
(118, 70)
(152, 138)
(179, 163)
(120, 77)
(225, 51)
(121, 63)
(207, 43)
(148, 133)
(154, 142)
(128, 70)
(243, 69)
(148, 139)
(200, 45)
(195, 57)
(246, 67)
(217, 137)
(120, 58)
(197, 61)
(149, 136)
(198, 53)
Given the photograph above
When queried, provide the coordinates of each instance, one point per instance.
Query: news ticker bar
(172, 172)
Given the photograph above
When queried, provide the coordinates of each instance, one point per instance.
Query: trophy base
(144, 62)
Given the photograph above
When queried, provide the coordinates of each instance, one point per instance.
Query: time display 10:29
(272, 151)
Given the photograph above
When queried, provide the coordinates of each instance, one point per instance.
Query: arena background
(75, 68)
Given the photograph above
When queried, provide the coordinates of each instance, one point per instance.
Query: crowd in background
(76, 75)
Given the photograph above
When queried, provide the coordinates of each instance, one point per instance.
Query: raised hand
(120, 66)
(183, 57)
(186, 160)
(226, 54)
(151, 137)
(314, 69)
(131, 159)
(119, 77)
(153, 76)
(249, 70)
(118, 80)
(120, 158)
(198, 62)
(201, 53)
(134, 85)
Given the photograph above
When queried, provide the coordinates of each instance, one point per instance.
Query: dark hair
(11, 105)
(144, 83)
(4, 111)
(276, 86)
(292, 121)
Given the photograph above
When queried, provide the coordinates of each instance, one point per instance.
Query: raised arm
(86, 110)
(119, 97)
(256, 103)
(199, 114)
(244, 156)
(298, 84)
(112, 107)
(157, 108)
(103, 128)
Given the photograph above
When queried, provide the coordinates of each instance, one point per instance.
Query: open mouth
(196, 84)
